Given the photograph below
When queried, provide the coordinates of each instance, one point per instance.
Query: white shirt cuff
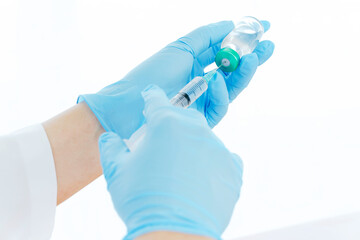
(39, 166)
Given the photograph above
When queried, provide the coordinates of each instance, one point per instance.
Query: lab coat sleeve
(28, 188)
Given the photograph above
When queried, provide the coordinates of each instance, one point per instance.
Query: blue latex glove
(119, 106)
(180, 178)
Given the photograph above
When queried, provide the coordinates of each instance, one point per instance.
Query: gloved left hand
(119, 106)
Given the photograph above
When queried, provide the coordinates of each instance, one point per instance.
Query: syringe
(193, 90)
(186, 96)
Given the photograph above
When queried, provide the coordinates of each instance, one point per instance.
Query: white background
(296, 126)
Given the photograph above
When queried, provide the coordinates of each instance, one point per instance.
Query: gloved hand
(119, 106)
(180, 178)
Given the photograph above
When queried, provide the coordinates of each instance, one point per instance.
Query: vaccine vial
(242, 40)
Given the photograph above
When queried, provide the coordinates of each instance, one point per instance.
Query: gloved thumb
(154, 98)
(218, 100)
(113, 150)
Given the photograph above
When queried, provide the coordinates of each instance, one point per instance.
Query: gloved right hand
(180, 178)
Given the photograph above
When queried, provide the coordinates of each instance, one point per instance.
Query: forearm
(73, 137)
(164, 235)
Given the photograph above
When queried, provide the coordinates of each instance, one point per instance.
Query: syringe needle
(208, 76)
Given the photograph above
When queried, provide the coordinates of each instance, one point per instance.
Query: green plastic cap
(228, 59)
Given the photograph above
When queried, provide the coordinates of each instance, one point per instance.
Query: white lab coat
(28, 189)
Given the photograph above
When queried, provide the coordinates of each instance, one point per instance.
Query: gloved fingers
(238, 162)
(112, 151)
(204, 37)
(241, 77)
(208, 56)
(264, 50)
(155, 99)
(239, 169)
(266, 25)
(218, 100)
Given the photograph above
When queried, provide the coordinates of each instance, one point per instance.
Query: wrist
(73, 136)
(165, 235)
(190, 230)
(117, 111)
(167, 212)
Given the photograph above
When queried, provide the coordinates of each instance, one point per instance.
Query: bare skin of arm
(73, 137)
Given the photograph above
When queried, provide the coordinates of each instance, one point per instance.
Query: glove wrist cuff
(170, 226)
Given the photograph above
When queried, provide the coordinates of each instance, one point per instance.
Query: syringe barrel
(186, 96)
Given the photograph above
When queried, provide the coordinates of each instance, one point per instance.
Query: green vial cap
(228, 59)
